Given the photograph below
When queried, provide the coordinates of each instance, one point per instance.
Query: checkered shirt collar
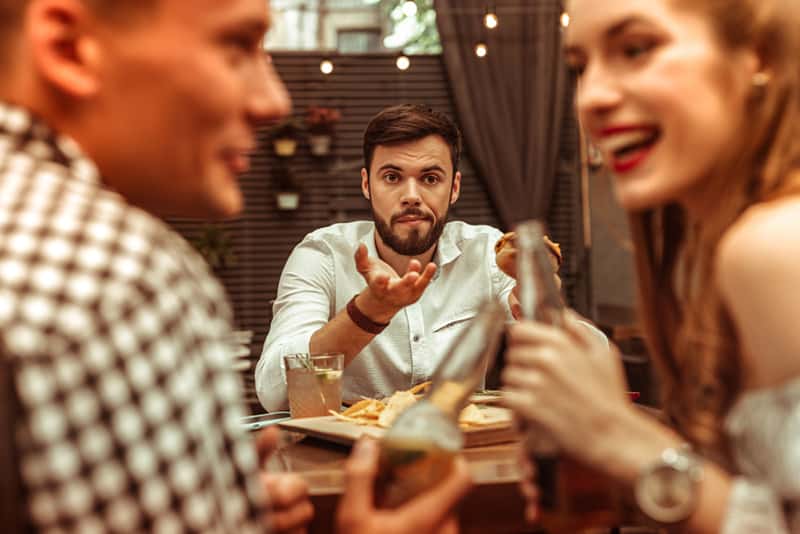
(21, 130)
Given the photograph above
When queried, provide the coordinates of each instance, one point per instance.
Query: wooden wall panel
(360, 86)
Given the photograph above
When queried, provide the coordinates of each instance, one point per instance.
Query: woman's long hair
(691, 336)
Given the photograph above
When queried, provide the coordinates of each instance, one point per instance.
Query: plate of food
(481, 424)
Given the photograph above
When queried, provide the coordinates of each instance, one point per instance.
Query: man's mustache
(412, 212)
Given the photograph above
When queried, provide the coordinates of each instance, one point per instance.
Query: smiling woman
(696, 106)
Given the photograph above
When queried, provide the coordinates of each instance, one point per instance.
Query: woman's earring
(760, 79)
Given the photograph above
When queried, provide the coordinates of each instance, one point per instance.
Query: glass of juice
(314, 383)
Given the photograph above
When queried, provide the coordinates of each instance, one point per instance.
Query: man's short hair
(410, 122)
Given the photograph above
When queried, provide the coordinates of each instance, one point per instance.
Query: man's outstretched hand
(387, 292)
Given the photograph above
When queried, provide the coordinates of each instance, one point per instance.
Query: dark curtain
(510, 104)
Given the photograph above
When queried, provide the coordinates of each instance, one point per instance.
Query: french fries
(382, 413)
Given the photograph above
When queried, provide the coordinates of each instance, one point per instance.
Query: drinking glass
(314, 383)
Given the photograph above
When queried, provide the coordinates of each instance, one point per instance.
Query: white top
(764, 428)
(320, 277)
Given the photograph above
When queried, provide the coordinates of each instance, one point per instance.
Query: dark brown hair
(690, 332)
(410, 122)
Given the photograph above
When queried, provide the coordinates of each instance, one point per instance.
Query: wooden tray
(329, 428)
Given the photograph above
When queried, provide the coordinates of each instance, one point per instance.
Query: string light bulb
(409, 8)
(481, 50)
(564, 19)
(326, 66)
(403, 63)
(490, 19)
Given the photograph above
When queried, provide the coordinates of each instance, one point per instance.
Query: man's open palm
(388, 287)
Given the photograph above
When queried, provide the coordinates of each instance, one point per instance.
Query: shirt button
(415, 338)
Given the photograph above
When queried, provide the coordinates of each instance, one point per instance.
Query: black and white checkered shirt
(117, 337)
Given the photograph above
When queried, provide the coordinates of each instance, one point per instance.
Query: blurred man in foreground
(122, 414)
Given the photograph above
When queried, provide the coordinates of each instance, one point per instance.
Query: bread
(505, 253)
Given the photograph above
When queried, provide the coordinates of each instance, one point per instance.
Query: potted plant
(284, 137)
(320, 122)
(214, 244)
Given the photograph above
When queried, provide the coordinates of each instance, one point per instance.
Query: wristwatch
(667, 490)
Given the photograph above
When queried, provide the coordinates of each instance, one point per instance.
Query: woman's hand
(567, 383)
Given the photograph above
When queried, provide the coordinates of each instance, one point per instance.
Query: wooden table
(493, 506)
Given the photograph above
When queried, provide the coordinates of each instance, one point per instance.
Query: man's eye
(391, 178)
(241, 43)
(431, 179)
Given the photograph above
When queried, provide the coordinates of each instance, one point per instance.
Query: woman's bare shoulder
(758, 275)
(764, 234)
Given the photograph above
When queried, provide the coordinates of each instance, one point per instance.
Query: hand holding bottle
(431, 511)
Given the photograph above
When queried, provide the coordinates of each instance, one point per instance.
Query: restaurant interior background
(505, 86)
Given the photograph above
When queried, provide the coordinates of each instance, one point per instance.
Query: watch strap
(362, 321)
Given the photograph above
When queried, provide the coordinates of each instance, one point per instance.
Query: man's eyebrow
(433, 168)
(389, 167)
(251, 26)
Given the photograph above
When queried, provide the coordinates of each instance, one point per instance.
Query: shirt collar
(447, 250)
(32, 136)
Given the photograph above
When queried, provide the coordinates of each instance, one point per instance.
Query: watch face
(666, 494)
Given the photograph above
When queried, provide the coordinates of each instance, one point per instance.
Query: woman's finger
(521, 378)
(285, 489)
(531, 333)
(293, 519)
(521, 402)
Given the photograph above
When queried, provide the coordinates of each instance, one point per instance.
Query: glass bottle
(419, 449)
(540, 300)
(572, 496)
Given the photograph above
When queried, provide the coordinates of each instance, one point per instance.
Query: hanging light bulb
(481, 50)
(564, 19)
(403, 63)
(490, 19)
(409, 8)
(326, 67)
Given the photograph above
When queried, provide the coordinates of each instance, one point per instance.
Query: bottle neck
(450, 396)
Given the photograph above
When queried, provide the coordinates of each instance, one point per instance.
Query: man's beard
(416, 243)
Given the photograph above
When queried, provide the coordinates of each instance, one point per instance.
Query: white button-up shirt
(320, 277)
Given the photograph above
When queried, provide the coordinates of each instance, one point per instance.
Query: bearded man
(416, 281)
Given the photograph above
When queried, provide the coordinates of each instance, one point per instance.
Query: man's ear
(66, 53)
(456, 189)
(365, 183)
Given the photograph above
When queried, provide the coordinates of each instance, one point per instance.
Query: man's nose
(411, 193)
(268, 98)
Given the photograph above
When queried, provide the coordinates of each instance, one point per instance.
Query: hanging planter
(284, 137)
(320, 144)
(285, 147)
(320, 122)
